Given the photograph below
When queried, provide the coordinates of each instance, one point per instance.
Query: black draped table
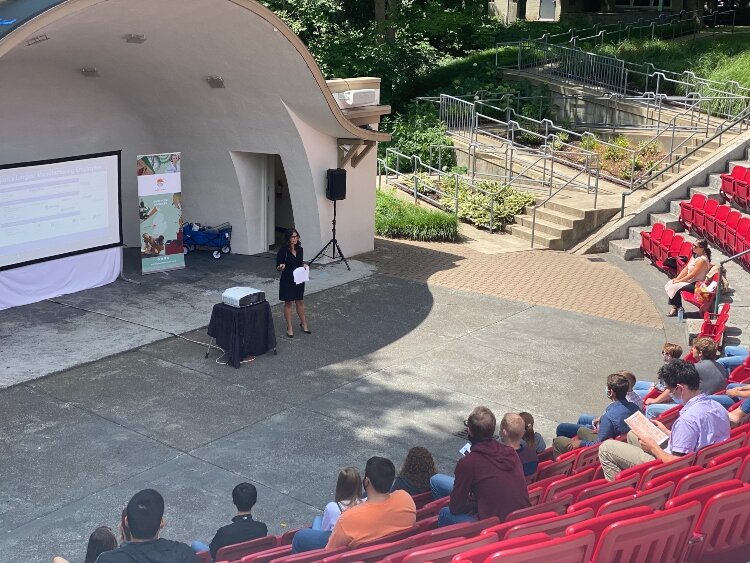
(243, 331)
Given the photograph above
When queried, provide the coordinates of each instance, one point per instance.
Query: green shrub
(589, 143)
(619, 150)
(396, 218)
(474, 205)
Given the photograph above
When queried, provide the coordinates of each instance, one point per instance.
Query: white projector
(242, 296)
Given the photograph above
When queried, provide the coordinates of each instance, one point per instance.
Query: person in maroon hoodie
(489, 479)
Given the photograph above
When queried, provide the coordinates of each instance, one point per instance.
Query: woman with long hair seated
(695, 270)
(414, 477)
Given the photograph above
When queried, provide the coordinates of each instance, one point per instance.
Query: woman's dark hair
(288, 237)
(528, 435)
(418, 467)
(703, 243)
(101, 540)
(125, 534)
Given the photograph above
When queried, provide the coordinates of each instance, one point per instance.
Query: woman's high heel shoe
(303, 329)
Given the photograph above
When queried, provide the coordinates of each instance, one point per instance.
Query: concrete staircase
(559, 226)
(630, 248)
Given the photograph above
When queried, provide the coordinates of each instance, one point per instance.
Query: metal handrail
(721, 130)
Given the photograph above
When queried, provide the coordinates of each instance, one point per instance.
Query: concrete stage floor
(391, 363)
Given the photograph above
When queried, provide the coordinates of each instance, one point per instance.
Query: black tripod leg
(322, 250)
(336, 246)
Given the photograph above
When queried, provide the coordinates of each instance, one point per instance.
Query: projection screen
(55, 208)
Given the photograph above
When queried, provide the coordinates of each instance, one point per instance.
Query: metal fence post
(455, 180)
(492, 212)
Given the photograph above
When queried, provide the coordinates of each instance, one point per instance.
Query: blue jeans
(723, 400)
(745, 406)
(441, 485)
(571, 430)
(446, 517)
(199, 546)
(733, 356)
(642, 388)
(308, 539)
(652, 411)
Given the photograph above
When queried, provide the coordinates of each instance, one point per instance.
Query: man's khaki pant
(616, 456)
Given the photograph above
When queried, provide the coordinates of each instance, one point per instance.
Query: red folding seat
(744, 473)
(409, 533)
(673, 476)
(712, 222)
(661, 246)
(742, 193)
(603, 486)
(204, 556)
(722, 533)
(560, 486)
(638, 470)
(739, 452)
(706, 305)
(455, 531)
(287, 537)
(480, 554)
(727, 190)
(684, 256)
(662, 536)
(551, 468)
(703, 494)
(442, 553)
(704, 456)
(274, 553)
(699, 217)
(432, 508)
(499, 530)
(553, 527)
(309, 556)
(668, 417)
(736, 234)
(371, 552)
(535, 495)
(662, 468)
(742, 429)
(724, 472)
(601, 523)
(649, 238)
(545, 455)
(239, 550)
(654, 498)
(567, 549)
(422, 499)
(741, 372)
(687, 209)
(723, 230)
(596, 502)
(672, 252)
(559, 506)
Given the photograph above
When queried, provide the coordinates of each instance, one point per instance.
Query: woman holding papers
(288, 259)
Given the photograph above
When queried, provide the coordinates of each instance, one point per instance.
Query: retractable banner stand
(160, 211)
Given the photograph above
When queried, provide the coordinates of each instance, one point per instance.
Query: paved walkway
(582, 284)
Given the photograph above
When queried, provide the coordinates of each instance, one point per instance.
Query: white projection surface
(59, 208)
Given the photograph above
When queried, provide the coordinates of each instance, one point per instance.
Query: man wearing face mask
(702, 422)
(610, 425)
(489, 479)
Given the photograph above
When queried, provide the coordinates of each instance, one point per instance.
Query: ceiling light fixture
(90, 71)
(215, 81)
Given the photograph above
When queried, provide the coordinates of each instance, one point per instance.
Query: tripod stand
(333, 243)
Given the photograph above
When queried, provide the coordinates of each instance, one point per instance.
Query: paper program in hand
(301, 275)
(643, 427)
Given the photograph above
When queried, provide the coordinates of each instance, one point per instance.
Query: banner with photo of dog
(160, 211)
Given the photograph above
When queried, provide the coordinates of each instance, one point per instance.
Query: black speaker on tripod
(335, 191)
(336, 184)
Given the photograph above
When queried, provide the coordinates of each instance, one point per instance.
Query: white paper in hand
(643, 427)
(466, 449)
(301, 275)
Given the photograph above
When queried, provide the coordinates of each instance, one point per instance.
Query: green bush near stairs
(396, 218)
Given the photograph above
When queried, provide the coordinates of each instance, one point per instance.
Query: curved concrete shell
(152, 96)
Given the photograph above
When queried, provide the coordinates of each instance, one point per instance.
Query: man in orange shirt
(384, 512)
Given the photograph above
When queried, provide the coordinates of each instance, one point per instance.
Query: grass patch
(396, 218)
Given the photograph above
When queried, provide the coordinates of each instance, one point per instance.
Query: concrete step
(669, 220)
(543, 226)
(568, 210)
(626, 248)
(674, 206)
(714, 180)
(543, 240)
(709, 192)
(634, 233)
(558, 217)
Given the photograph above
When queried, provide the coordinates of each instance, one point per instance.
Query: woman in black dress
(288, 259)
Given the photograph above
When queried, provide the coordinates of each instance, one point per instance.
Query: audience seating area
(694, 509)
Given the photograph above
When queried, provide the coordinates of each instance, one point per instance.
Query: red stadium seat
(724, 528)
(394, 537)
(727, 189)
(712, 221)
(287, 537)
(724, 472)
(744, 472)
(422, 499)
(567, 549)
(703, 494)
(595, 503)
(661, 246)
(432, 508)
(740, 452)
(371, 553)
(649, 238)
(705, 305)
(668, 417)
(545, 455)
(663, 536)
(239, 550)
(687, 209)
(480, 554)
(603, 486)
(499, 530)
(310, 556)
(559, 487)
(704, 456)
(204, 556)
(271, 554)
(639, 470)
(672, 252)
(558, 506)
(699, 217)
(672, 476)
(442, 553)
(741, 372)
(655, 498)
(553, 527)
(735, 236)
(600, 523)
(723, 229)
(454, 531)
(663, 468)
(551, 468)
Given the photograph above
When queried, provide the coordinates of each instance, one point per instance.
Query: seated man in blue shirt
(610, 425)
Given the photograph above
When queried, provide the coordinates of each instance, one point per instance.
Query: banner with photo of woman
(160, 211)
